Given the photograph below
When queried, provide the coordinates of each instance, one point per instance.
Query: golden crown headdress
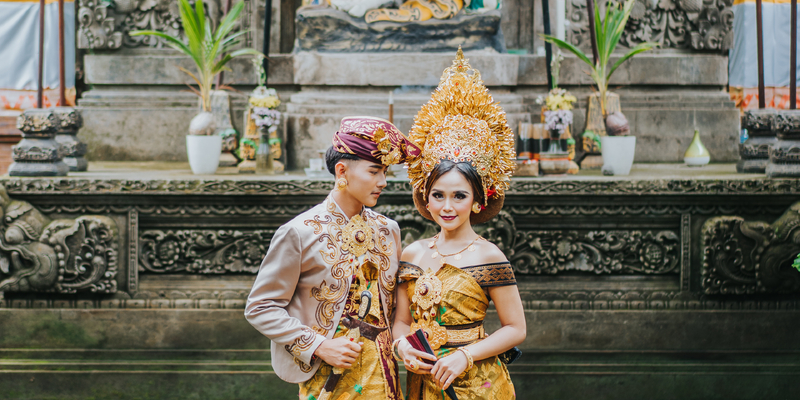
(462, 123)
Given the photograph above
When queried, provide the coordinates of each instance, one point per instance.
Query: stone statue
(408, 11)
(64, 256)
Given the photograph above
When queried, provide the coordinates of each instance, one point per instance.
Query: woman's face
(450, 200)
(365, 181)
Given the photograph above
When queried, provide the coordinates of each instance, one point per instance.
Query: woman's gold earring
(476, 208)
(341, 183)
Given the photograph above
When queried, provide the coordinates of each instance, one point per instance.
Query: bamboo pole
(762, 101)
(793, 58)
(62, 79)
(39, 89)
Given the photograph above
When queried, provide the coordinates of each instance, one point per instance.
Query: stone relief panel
(105, 24)
(540, 252)
(202, 251)
(746, 257)
(38, 254)
(682, 24)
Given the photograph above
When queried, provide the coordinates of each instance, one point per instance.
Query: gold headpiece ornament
(462, 123)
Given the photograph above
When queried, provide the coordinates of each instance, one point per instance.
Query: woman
(446, 282)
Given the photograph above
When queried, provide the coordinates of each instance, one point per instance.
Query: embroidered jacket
(302, 285)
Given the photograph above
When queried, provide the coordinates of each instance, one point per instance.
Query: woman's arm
(512, 318)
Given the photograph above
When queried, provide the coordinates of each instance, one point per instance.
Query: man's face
(365, 180)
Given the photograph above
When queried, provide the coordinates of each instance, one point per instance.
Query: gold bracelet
(470, 362)
(395, 350)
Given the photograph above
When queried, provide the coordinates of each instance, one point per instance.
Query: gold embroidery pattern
(301, 344)
(357, 237)
(489, 275)
(343, 261)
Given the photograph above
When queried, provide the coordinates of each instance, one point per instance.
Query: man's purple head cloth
(373, 139)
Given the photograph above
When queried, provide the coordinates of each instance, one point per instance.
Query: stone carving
(538, 187)
(745, 257)
(533, 300)
(554, 252)
(784, 154)
(203, 251)
(328, 30)
(96, 29)
(72, 148)
(38, 154)
(754, 152)
(693, 24)
(63, 256)
(105, 25)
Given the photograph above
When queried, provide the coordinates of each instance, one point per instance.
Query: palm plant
(210, 50)
(607, 35)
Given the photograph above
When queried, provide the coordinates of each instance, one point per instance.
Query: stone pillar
(755, 150)
(784, 154)
(221, 109)
(38, 154)
(74, 150)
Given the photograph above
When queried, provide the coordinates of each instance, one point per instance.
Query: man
(321, 264)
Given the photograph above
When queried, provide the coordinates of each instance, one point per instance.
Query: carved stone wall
(40, 254)
(746, 257)
(602, 244)
(680, 24)
(105, 25)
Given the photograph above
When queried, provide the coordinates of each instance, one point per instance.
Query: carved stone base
(38, 154)
(328, 30)
(752, 166)
(73, 149)
(784, 160)
(31, 168)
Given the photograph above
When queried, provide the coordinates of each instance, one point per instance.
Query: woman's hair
(467, 171)
(332, 157)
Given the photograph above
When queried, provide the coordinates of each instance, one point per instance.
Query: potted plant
(557, 117)
(607, 33)
(210, 49)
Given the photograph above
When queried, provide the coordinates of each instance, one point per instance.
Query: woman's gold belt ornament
(427, 296)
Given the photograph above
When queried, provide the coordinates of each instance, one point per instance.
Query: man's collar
(335, 207)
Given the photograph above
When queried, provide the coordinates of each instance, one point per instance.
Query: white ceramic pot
(617, 154)
(203, 153)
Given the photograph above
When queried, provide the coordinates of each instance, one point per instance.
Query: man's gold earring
(476, 208)
(341, 183)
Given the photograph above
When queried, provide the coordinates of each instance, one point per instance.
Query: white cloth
(19, 51)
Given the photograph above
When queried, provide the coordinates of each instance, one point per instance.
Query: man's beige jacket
(303, 283)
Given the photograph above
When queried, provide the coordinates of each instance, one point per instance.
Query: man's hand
(339, 352)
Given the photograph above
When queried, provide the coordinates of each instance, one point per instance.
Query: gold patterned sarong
(464, 302)
(374, 375)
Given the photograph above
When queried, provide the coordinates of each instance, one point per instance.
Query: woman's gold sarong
(464, 302)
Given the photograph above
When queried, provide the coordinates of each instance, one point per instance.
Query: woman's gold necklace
(456, 255)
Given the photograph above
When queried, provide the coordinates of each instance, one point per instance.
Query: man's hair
(332, 157)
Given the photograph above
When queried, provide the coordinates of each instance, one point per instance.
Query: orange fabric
(747, 98)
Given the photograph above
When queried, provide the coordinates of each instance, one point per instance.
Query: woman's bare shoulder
(489, 253)
(414, 251)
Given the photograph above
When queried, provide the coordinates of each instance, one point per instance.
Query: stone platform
(672, 282)
(137, 100)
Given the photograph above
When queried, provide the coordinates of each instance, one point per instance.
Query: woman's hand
(447, 369)
(413, 357)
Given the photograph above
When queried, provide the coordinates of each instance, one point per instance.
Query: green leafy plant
(209, 49)
(608, 32)
(796, 262)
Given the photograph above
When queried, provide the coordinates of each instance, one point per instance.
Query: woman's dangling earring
(341, 183)
(476, 208)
